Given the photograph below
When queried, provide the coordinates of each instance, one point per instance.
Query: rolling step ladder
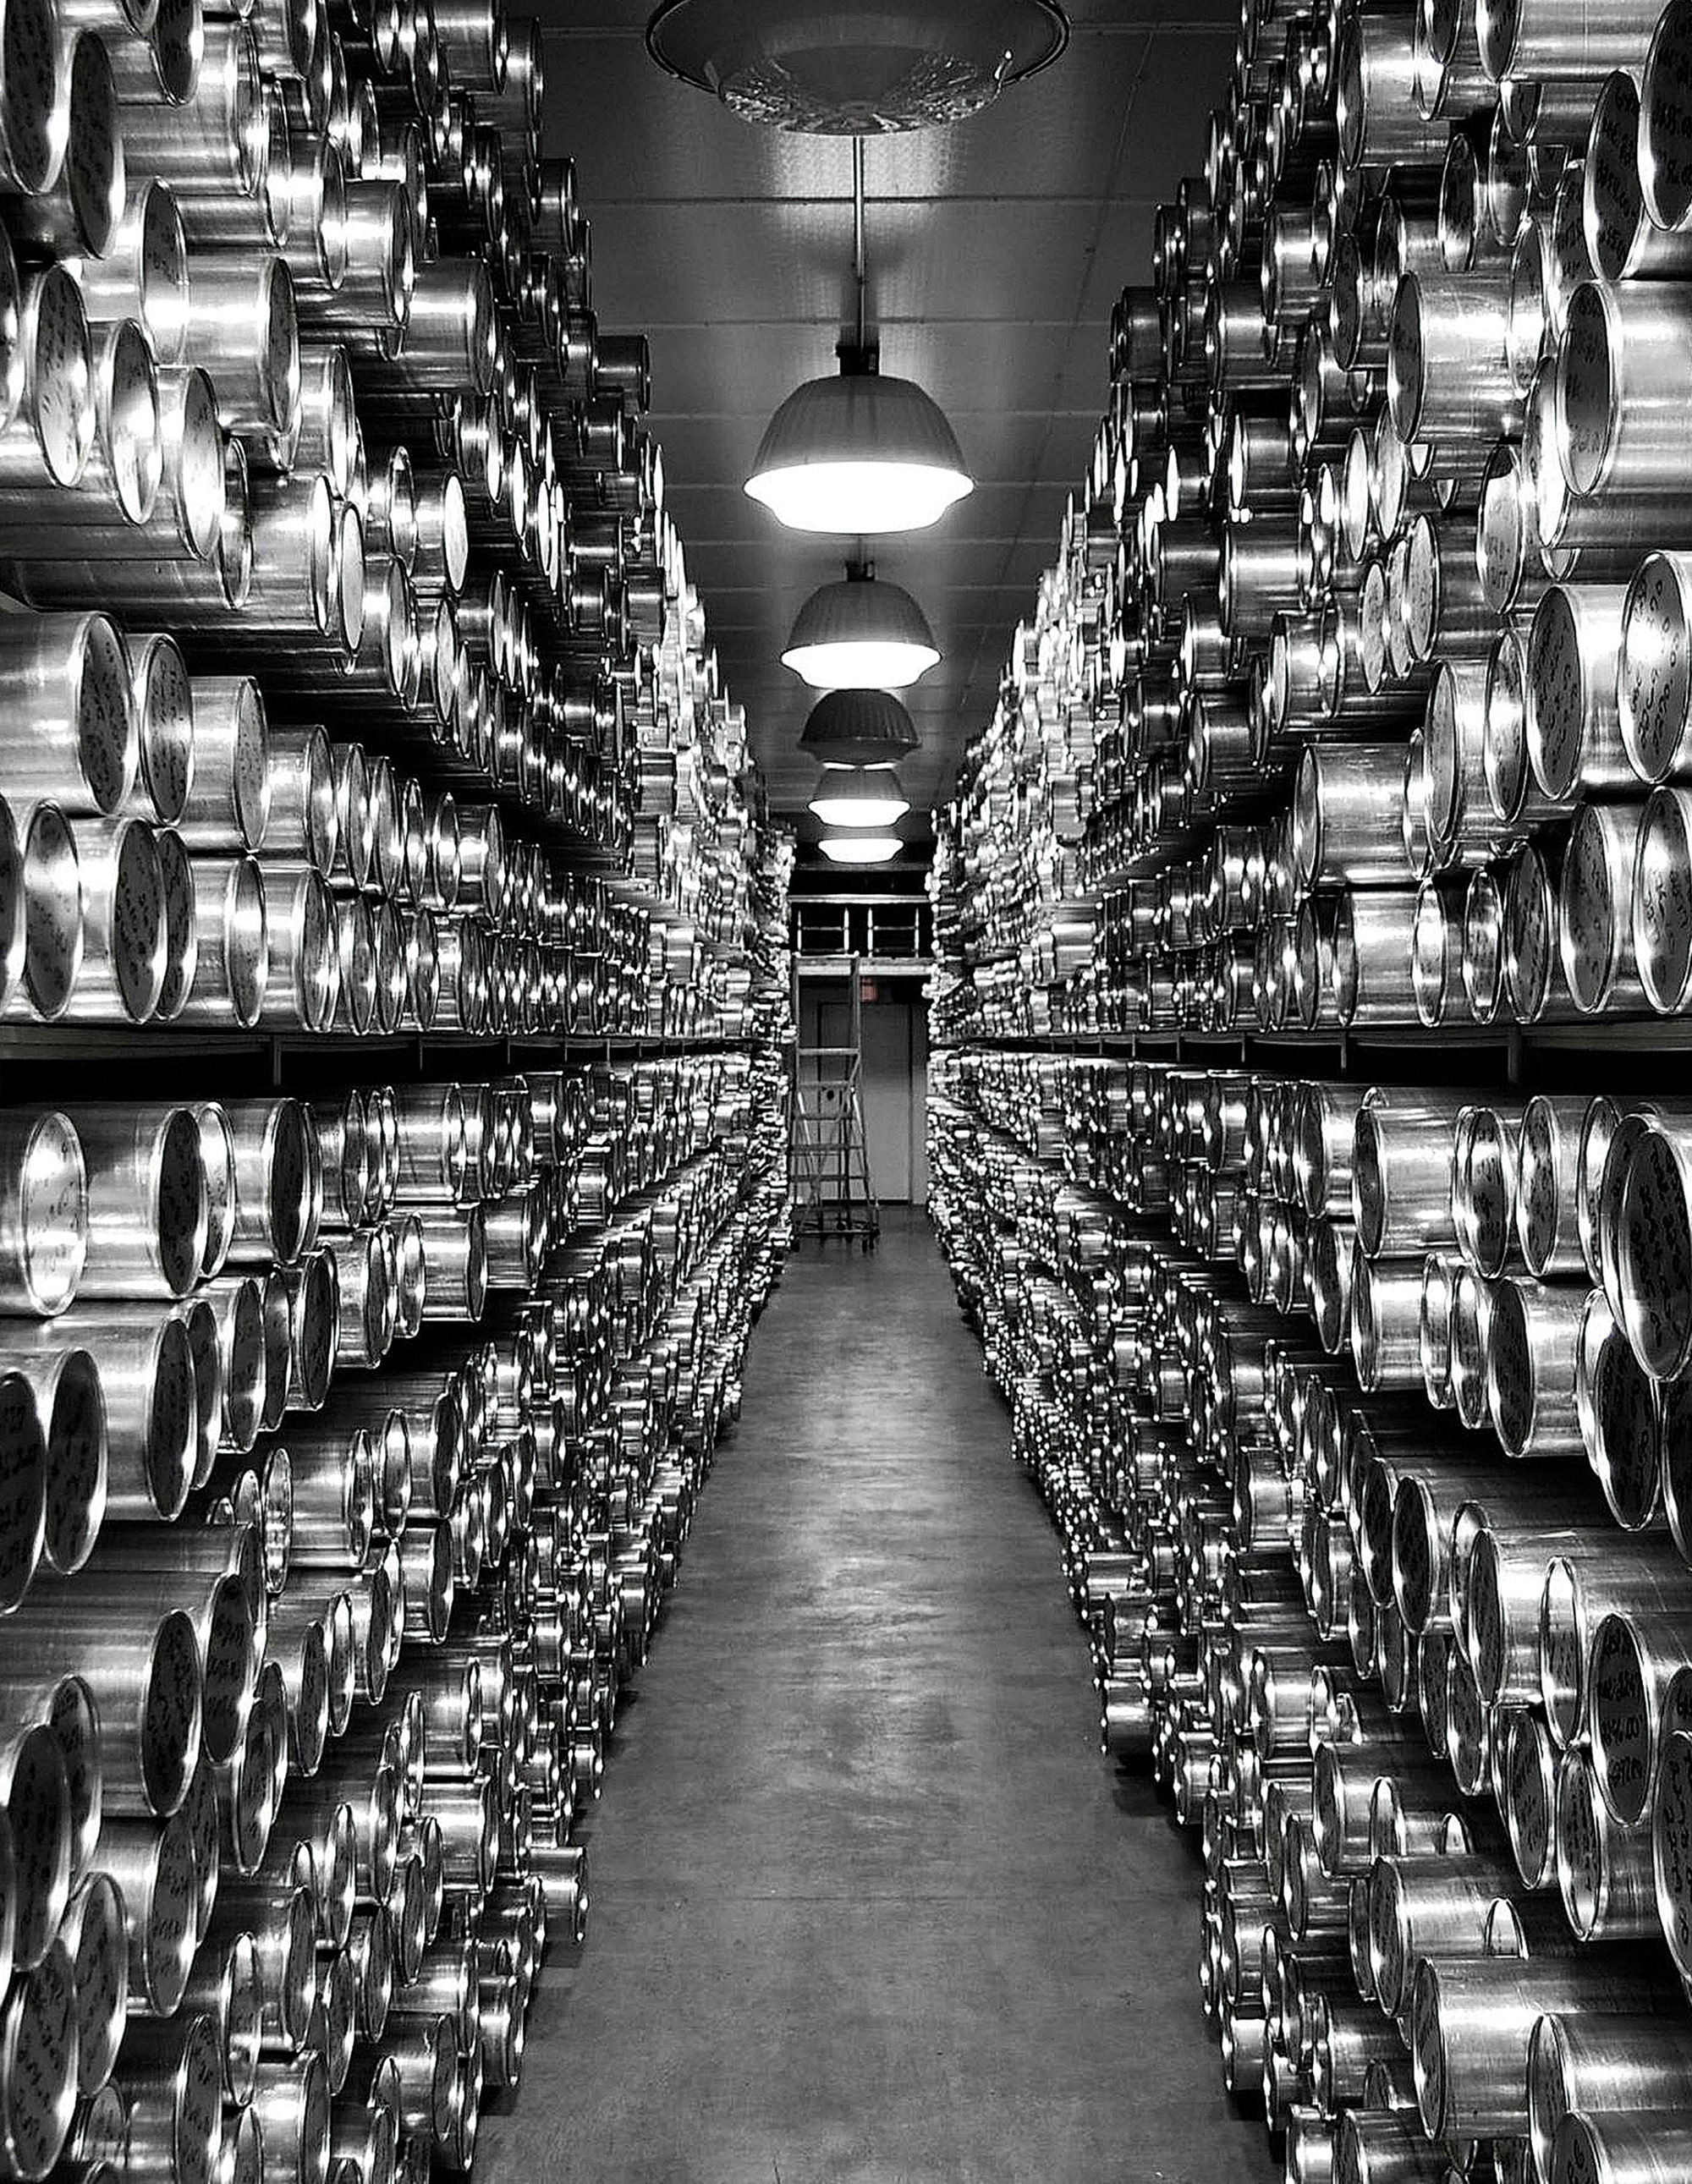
(833, 1191)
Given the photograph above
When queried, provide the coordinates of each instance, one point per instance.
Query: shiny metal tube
(38, 2065)
(304, 976)
(126, 954)
(227, 1986)
(1598, 913)
(454, 1252)
(1546, 1200)
(1373, 957)
(164, 725)
(1531, 1368)
(1599, 2067)
(43, 1212)
(1653, 707)
(146, 1681)
(328, 420)
(1426, 1906)
(450, 334)
(1622, 239)
(192, 511)
(316, 1311)
(1401, 1179)
(1632, 1661)
(1651, 1222)
(244, 329)
(1604, 1870)
(35, 1792)
(1472, 2019)
(1342, 796)
(1622, 2149)
(143, 273)
(1526, 38)
(304, 823)
(154, 1870)
(228, 804)
(232, 948)
(1622, 1413)
(147, 1206)
(1614, 413)
(211, 140)
(1663, 899)
(1484, 1180)
(1447, 371)
(93, 1936)
(64, 685)
(69, 1477)
(52, 923)
(278, 1181)
(147, 1390)
(170, 2076)
(1573, 723)
(46, 441)
(292, 2102)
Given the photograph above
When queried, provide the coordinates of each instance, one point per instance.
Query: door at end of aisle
(895, 1087)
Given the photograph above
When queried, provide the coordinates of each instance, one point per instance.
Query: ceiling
(996, 249)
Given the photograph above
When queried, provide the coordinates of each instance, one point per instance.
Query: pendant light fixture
(860, 848)
(860, 634)
(859, 727)
(861, 453)
(864, 70)
(859, 796)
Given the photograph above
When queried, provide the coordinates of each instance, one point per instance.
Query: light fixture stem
(860, 262)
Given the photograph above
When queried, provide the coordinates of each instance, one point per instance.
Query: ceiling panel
(996, 249)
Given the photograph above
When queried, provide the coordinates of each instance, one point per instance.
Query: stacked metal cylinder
(1337, 1284)
(393, 990)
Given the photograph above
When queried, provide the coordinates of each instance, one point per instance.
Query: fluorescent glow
(859, 499)
(864, 664)
(856, 796)
(861, 849)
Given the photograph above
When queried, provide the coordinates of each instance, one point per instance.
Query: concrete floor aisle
(866, 1904)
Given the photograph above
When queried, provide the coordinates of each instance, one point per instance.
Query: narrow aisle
(865, 1902)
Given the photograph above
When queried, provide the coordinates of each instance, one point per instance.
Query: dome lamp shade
(858, 796)
(875, 68)
(861, 635)
(857, 455)
(860, 848)
(859, 727)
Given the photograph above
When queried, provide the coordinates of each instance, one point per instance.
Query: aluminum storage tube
(227, 803)
(38, 2066)
(65, 689)
(1574, 734)
(43, 1212)
(65, 1387)
(1623, 352)
(210, 144)
(143, 273)
(147, 1387)
(1654, 1225)
(1663, 899)
(243, 329)
(146, 1682)
(1448, 374)
(1653, 664)
(147, 1200)
(125, 938)
(1597, 920)
(1623, 240)
(49, 441)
